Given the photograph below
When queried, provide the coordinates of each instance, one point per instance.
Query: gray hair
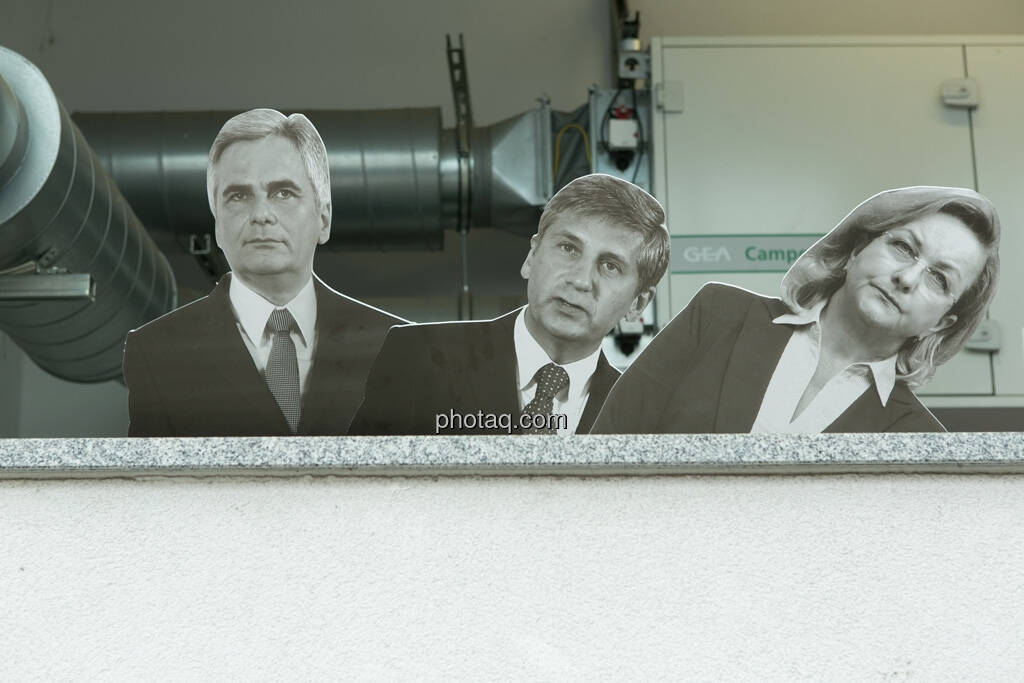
(257, 124)
(821, 270)
(621, 203)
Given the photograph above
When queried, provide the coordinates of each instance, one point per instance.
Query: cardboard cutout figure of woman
(866, 314)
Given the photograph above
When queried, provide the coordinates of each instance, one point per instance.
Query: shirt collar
(883, 372)
(531, 357)
(253, 311)
(803, 316)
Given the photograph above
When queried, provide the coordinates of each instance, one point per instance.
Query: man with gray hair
(272, 350)
(601, 247)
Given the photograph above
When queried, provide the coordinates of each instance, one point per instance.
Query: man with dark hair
(600, 249)
(272, 350)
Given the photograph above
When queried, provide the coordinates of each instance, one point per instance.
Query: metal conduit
(60, 212)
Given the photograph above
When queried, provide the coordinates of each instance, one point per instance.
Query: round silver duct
(394, 172)
(386, 184)
(62, 218)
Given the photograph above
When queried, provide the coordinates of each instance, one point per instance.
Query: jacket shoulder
(441, 342)
(454, 331)
(722, 294)
(338, 304)
(183, 320)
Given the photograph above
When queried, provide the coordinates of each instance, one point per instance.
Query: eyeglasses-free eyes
(901, 249)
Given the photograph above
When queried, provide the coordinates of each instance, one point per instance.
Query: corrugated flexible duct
(60, 211)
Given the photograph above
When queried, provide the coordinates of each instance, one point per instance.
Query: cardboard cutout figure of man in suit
(272, 350)
(601, 247)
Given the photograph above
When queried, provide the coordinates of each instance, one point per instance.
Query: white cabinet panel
(788, 139)
(999, 146)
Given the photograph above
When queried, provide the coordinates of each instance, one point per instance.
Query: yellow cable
(558, 140)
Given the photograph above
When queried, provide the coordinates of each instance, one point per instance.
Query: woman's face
(904, 282)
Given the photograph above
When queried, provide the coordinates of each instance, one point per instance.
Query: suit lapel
(494, 383)
(234, 364)
(755, 355)
(756, 352)
(326, 366)
(868, 414)
(600, 384)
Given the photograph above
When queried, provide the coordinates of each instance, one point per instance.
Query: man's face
(268, 221)
(583, 279)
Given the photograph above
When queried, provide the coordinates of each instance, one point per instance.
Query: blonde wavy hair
(821, 270)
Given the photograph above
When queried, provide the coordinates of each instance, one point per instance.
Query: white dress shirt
(252, 312)
(531, 357)
(794, 372)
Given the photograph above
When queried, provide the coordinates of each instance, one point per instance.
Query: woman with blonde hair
(867, 313)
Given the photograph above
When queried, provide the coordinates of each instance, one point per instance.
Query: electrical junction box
(960, 92)
(623, 134)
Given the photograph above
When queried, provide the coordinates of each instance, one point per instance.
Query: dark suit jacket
(190, 374)
(707, 371)
(465, 367)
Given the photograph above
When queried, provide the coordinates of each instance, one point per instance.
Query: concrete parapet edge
(644, 455)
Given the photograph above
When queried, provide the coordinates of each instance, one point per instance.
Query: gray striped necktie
(550, 380)
(283, 366)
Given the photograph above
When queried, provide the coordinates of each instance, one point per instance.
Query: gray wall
(237, 55)
(112, 55)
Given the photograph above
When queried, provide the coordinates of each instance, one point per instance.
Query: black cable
(640, 135)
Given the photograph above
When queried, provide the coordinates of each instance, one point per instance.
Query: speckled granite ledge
(998, 452)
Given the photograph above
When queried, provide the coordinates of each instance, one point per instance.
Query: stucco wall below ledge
(761, 577)
(156, 559)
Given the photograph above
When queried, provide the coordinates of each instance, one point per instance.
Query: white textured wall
(856, 577)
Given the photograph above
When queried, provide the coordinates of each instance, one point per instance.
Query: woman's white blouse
(794, 371)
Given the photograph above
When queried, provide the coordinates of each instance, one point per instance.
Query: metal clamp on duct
(77, 268)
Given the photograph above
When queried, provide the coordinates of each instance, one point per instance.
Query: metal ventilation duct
(395, 177)
(60, 213)
(394, 172)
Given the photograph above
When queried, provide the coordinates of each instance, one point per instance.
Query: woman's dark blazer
(707, 372)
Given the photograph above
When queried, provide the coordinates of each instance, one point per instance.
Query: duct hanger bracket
(463, 138)
(460, 93)
(463, 125)
(33, 282)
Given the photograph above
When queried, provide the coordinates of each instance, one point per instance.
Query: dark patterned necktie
(550, 380)
(283, 366)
